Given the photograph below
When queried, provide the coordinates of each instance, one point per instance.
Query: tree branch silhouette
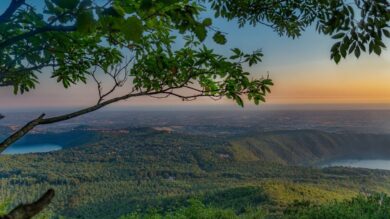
(13, 6)
(27, 211)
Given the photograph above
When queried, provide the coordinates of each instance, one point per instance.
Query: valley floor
(131, 174)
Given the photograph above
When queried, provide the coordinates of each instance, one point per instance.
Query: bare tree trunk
(27, 211)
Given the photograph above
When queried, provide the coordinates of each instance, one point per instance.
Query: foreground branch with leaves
(138, 45)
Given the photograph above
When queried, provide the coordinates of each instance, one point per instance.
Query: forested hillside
(124, 172)
(310, 146)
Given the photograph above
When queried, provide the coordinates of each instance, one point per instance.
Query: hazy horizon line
(219, 107)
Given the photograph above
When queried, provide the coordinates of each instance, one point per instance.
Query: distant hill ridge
(310, 146)
(294, 147)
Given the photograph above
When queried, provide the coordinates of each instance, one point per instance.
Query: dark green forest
(375, 206)
(147, 173)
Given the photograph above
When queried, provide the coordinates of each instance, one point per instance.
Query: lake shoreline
(374, 164)
(32, 148)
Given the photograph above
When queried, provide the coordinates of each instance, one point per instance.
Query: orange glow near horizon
(352, 81)
(318, 81)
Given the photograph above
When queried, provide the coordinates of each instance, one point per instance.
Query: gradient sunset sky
(301, 70)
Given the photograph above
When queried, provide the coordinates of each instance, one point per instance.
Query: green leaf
(352, 48)
(239, 101)
(336, 58)
(268, 82)
(85, 22)
(50, 6)
(16, 89)
(114, 11)
(377, 50)
(200, 32)
(357, 52)
(386, 33)
(119, 10)
(219, 38)
(338, 36)
(343, 52)
(335, 47)
(207, 22)
(371, 47)
(133, 29)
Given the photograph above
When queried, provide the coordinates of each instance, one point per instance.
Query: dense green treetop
(357, 26)
(76, 38)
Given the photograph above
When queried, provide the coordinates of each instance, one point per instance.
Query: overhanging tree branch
(168, 91)
(45, 29)
(13, 6)
(115, 76)
(191, 97)
(44, 121)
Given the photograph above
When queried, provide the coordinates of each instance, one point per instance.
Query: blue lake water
(34, 148)
(370, 164)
